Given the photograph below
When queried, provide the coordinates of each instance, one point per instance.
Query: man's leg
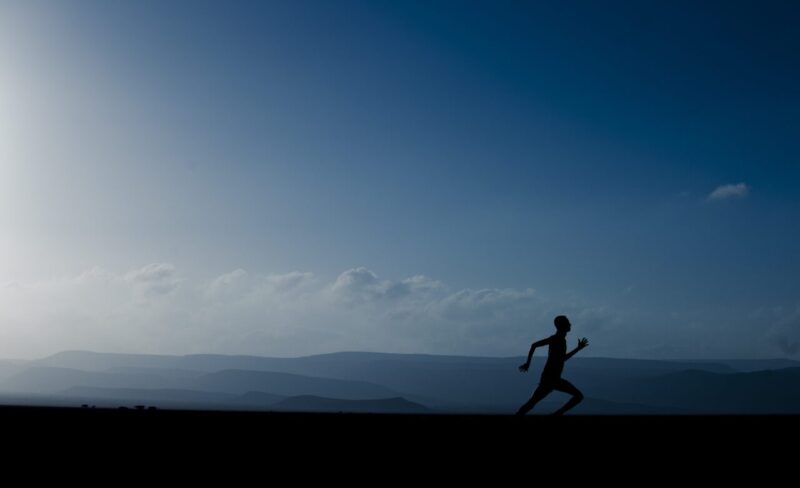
(567, 387)
(541, 391)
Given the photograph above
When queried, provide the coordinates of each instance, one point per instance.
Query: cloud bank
(155, 309)
(727, 192)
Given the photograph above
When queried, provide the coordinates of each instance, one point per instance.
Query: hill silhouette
(309, 403)
(758, 392)
(440, 383)
(43, 380)
(168, 398)
(242, 381)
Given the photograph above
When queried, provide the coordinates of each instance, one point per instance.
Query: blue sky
(634, 165)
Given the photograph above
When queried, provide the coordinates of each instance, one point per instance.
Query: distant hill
(258, 400)
(168, 374)
(42, 380)
(751, 365)
(49, 380)
(154, 397)
(594, 406)
(318, 404)
(94, 361)
(241, 381)
(443, 383)
(759, 392)
(166, 398)
(9, 368)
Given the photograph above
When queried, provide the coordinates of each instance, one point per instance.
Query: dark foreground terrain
(195, 441)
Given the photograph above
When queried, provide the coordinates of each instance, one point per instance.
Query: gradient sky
(297, 177)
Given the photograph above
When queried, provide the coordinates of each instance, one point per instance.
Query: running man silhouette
(551, 376)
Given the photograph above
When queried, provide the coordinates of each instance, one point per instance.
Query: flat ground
(617, 445)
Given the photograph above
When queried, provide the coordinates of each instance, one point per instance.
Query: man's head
(562, 324)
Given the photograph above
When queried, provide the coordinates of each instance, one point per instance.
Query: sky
(298, 177)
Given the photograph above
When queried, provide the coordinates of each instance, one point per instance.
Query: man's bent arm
(541, 343)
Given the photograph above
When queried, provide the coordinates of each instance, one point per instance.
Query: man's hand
(524, 368)
(583, 343)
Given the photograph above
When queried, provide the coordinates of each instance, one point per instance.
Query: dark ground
(338, 446)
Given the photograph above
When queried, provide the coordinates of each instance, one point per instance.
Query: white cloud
(486, 304)
(153, 279)
(239, 285)
(157, 310)
(289, 281)
(725, 192)
(152, 273)
(359, 285)
(362, 286)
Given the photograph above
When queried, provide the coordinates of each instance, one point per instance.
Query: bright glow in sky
(290, 178)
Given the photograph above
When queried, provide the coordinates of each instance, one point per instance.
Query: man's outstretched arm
(581, 344)
(527, 364)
